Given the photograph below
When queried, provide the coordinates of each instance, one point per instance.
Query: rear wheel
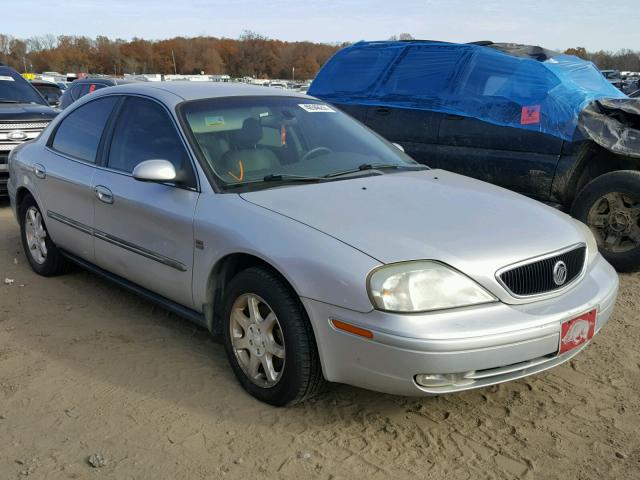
(610, 206)
(42, 254)
(269, 340)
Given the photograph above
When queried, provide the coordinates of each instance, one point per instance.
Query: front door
(143, 230)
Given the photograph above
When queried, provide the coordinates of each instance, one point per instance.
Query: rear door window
(79, 133)
(425, 71)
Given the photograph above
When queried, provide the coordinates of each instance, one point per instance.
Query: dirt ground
(89, 369)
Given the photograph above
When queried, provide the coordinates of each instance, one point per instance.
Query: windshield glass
(253, 139)
(15, 89)
(53, 92)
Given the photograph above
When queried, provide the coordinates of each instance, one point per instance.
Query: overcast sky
(593, 24)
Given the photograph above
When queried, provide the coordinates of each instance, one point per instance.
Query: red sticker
(92, 87)
(577, 331)
(530, 115)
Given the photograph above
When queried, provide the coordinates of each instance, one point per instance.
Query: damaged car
(532, 120)
(315, 248)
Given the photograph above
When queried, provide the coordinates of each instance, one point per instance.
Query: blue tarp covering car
(505, 84)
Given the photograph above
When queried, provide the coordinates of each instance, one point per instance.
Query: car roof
(198, 90)
(44, 82)
(109, 80)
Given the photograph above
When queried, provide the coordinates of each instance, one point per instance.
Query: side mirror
(155, 171)
(51, 100)
(399, 147)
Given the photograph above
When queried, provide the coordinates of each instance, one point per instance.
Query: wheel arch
(592, 162)
(221, 274)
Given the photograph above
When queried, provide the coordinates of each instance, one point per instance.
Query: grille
(536, 277)
(31, 129)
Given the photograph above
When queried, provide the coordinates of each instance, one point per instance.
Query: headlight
(590, 240)
(421, 286)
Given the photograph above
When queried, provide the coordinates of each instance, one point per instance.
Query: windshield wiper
(376, 166)
(276, 177)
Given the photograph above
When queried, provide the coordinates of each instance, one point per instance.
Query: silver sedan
(317, 250)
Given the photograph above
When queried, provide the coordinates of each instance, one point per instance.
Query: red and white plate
(577, 331)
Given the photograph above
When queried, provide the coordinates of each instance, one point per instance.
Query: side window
(424, 71)
(144, 131)
(79, 133)
(353, 71)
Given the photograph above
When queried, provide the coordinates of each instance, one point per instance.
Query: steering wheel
(315, 151)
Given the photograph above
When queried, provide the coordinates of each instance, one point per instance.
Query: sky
(555, 24)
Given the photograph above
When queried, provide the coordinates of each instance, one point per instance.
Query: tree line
(250, 55)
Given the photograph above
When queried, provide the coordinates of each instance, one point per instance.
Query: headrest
(249, 134)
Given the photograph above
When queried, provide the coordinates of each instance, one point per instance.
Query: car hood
(473, 226)
(10, 112)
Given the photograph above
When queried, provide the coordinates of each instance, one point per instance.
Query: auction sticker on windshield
(315, 107)
(577, 331)
(5, 78)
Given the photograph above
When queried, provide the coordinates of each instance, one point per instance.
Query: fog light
(440, 380)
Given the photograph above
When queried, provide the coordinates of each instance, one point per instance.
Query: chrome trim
(139, 250)
(70, 223)
(544, 257)
(118, 242)
(23, 126)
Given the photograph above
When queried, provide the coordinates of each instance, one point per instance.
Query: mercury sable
(316, 249)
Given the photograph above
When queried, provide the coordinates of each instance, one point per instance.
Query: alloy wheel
(257, 340)
(36, 235)
(615, 220)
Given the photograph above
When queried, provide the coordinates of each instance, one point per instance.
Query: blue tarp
(465, 79)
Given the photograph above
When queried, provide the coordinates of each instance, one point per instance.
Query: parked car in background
(613, 76)
(635, 94)
(63, 85)
(50, 91)
(79, 88)
(546, 125)
(23, 115)
(317, 249)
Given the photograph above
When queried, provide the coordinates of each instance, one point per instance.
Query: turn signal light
(347, 327)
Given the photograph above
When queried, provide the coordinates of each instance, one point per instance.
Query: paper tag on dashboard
(316, 108)
(5, 78)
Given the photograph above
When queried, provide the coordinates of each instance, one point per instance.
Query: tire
(610, 206)
(299, 374)
(52, 262)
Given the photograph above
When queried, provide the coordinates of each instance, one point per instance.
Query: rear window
(352, 71)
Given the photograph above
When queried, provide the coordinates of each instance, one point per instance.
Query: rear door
(144, 230)
(65, 175)
(520, 159)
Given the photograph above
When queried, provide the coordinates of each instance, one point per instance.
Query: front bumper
(481, 346)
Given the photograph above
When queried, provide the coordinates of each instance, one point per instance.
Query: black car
(544, 124)
(50, 91)
(24, 113)
(80, 88)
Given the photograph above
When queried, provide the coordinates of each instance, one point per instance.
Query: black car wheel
(269, 340)
(610, 206)
(42, 254)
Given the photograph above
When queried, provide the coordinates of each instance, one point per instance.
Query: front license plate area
(577, 331)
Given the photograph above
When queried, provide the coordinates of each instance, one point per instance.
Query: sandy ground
(87, 368)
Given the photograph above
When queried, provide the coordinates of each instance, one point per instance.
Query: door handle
(382, 111)
(103, 194)
(39, 171)
(454, 117)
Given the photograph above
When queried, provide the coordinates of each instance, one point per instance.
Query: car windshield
(260, 139)
(15, 89)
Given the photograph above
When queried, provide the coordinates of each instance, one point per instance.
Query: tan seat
(244, 149)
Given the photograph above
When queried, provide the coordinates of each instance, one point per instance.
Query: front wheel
(610, 206)
(269, 340)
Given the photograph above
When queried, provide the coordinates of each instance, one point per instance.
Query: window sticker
(316, 108)
(5, 78)
(92, 88)
(530, 115)
(214, 121)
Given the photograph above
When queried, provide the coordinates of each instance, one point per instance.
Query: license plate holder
(577, 331)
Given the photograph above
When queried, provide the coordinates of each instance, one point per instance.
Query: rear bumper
(478, 346)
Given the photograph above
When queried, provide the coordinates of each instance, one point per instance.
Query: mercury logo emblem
(17, 135)
(560, 273)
